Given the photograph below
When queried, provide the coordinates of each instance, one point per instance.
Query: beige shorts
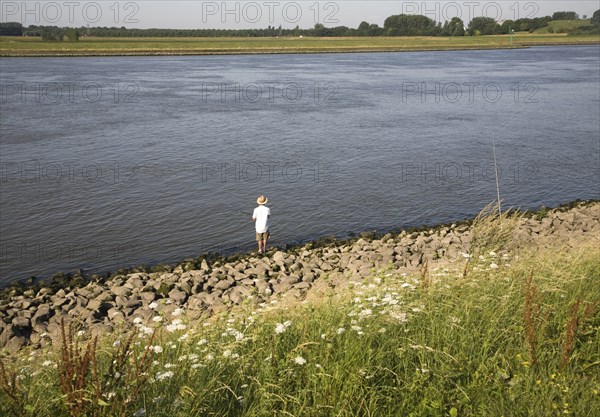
(263, 236)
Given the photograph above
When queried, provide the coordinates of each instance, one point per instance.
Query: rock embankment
(34, 317)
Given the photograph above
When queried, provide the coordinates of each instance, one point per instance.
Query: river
(120, 161)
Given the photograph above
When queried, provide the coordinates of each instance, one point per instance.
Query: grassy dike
(505, 330)
(90, 46)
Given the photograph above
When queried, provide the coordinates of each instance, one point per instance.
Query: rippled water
(120, 161)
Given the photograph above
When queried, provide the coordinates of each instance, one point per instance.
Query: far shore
(142, 46)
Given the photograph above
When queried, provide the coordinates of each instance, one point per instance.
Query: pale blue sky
(193, 14)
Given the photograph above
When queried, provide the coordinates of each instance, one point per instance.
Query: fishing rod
(496, 168)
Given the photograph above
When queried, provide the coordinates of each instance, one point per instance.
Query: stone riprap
(34, 317)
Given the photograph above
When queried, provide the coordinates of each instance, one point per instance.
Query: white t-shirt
(261, 215)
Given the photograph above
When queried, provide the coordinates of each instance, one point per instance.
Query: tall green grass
(439, 343)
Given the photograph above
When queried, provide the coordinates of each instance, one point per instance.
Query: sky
(219, 14)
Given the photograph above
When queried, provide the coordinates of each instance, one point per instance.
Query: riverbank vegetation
(501, 332)
(90, 46)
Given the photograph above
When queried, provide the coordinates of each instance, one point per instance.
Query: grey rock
(42, 314)
(22, 322)
(302, 285)
(115, 315)
(281, 287)
(308, 276)
(6, 335)
(326, 266)
(147, 296)
(177, 296)
(263, 286)
(122, 291)
(279, 257)
(16, 343)
(239, 276)
(134, 283)
(224, 284)
(128, 303)
(185, 284)
(205, 266)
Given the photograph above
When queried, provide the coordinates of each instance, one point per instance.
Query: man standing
(261, 217)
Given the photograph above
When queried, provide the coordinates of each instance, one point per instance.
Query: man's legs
(264, 243)
(260, 246)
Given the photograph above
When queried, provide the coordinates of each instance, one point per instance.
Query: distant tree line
(396, 25)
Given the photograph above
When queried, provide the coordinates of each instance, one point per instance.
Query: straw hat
(262, 200)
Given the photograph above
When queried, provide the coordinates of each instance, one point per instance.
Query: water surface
(120, 161)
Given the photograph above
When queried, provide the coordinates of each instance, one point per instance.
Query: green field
(563, 26)
(31, 46)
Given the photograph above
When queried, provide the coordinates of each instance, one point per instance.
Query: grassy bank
(513, 335)
(30, 46)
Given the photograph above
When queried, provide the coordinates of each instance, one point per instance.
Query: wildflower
(146, 329)
(356, 328)
(176, 325)
(493, 265)
(282, 327)
(116, 343)
(300, 360)
(401, 317)
(47, 363)
(183, 337)
(164, 375)
(237, 334)
(202, 342)
(341, 330)
(170, 365)
(140, 413)
(156, 349)
(153, 305)
(227, 353)
(137, 320)
(157, 319)
(366, 312)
